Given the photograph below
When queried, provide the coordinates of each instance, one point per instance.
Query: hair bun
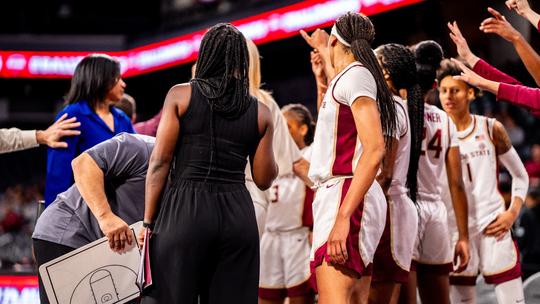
(428, 52)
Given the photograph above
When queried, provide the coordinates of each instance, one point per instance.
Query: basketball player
(286, 152)
(483, 142)
(285, 243)
(433, 255)
(349, 209)
(400, 165)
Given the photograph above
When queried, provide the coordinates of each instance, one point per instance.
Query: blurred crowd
(18, 211)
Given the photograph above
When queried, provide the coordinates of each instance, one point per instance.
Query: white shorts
(433, 250)
(395, 251)
(260, 202)
(284, 264)
(367, 223)
(498, 261)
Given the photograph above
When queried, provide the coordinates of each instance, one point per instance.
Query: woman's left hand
(501, 225)
(337, 241)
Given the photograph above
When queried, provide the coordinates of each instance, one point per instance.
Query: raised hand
(317, 40)
(500, 26)
(461, 44)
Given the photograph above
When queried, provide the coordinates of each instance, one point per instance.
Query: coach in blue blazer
(95, 85)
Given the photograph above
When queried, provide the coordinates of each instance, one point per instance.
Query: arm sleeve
(520, 179)
(122, 156)
(14, 139)
(520, 95)
(353, 83)
(489, 72)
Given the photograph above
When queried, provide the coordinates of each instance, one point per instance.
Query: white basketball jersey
(289, 198)
(480, 170)
(336, 147)
(439, 135)
(401, 165)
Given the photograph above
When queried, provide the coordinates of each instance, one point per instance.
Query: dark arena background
(156, 43)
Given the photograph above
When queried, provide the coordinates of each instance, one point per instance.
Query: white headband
(335, 33)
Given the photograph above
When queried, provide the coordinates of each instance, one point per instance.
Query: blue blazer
(93, 131)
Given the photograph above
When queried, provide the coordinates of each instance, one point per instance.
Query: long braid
(428, 55)
(222, 70)
(304, 118)
(221, 75)
(399, 62)
(358, 30)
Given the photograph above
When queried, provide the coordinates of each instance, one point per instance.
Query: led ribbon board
(15, 289)
(265, 27)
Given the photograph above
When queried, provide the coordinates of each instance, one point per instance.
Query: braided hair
(428, 56)
(399, 61)
(304, 118)
(359, 32)
(221, 72)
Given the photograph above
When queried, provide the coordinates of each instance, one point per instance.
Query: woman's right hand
(317, 40)
(461, 43)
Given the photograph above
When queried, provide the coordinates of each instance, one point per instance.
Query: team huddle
(383, 196)
(430, 216)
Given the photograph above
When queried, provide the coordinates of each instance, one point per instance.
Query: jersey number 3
(434, 144)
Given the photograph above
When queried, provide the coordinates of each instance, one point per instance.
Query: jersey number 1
(434, 144)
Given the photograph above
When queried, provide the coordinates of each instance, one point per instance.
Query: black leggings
(44, 252)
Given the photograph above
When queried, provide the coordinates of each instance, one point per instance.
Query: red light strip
(262, 28)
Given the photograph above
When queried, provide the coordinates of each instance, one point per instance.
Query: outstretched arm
(516, 94)
(498, 25)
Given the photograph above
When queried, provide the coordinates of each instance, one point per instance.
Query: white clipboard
(94, 274)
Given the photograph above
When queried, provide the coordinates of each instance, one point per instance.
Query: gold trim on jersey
(512, 265)
(472, 131)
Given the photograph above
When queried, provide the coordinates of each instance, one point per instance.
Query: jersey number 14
(434, 144)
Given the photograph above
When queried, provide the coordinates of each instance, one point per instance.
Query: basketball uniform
(336, 150)
(286, 152)
(285, 244)
(433, 251)
(394, 253)
(498, 261)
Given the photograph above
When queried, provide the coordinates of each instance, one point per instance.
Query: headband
(339, 38)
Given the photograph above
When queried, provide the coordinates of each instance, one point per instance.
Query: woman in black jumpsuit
(205, 243)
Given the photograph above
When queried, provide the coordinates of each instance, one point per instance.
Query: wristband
(148, 225)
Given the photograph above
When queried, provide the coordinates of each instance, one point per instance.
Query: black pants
(205, 246)
(44, 252)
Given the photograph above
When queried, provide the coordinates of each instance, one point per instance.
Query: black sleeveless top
(223, 160)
